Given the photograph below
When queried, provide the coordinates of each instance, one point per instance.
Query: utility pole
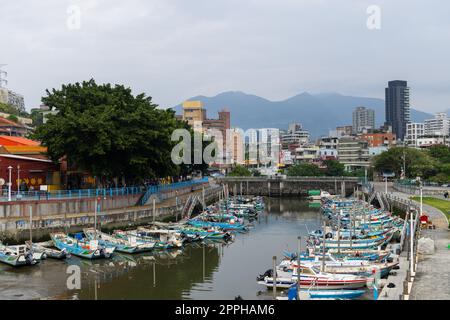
(412, 243)
(323, 246)
(9, 184)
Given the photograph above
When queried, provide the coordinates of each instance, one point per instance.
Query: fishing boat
(336, 294)
(38, 256)
(331, 265)
(81, 247)
(165, 239)
(312, 294)
(45, 249)
(161, 243)
(124, 245)
(16, 256)
(204, 233)
(313, 277)
(221, 225)
(369, 255)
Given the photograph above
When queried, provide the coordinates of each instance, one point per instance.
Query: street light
(18, 179)
(9, 184)
(421, 195)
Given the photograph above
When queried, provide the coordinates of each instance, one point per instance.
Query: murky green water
(212, 271)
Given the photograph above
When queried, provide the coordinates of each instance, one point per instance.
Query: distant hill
(318, 113)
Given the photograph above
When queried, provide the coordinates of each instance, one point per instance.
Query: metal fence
(169, 187)
(101, 192)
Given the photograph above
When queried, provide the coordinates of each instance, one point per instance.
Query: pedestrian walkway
(432, 279)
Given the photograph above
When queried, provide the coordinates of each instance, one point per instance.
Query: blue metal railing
(169, 187)
(102, 192)
(71, 194)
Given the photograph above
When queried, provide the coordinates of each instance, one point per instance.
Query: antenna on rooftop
(3, 75)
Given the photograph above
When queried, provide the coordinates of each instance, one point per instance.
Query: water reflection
(212, 271)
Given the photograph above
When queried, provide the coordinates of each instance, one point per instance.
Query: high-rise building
(353, 153)
(439, 126)
(194, 114)
(397, 107)
(363, 118)
(413, 132)
(343, 131)
(8, 96)
(237, 146)
(296, 135)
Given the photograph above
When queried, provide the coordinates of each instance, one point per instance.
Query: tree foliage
(109, 132)
(240, 171)
(334, 168)
(304, 170)
(417, 162)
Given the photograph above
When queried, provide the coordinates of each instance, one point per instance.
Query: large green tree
(305, 170)
(109, 132)
(417, 162)
(240, 171)
(334, 168)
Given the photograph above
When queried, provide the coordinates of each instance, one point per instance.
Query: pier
(290, 186)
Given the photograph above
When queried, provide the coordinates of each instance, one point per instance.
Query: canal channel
(210, 271)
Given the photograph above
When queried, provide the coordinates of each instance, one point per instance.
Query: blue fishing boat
(81, 247)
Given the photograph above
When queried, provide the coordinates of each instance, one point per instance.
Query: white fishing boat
(313, 277)
(16, 255)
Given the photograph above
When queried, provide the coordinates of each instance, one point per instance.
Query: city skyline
(212, 48)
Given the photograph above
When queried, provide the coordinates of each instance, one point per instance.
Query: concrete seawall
(72, 215)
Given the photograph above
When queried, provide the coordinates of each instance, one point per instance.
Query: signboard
(43, 187)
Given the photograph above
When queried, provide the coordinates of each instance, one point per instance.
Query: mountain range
(318, 113)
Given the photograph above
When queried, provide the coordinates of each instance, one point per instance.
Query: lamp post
(421, 196)
(385, 186)
(9, 184)
(18, 179)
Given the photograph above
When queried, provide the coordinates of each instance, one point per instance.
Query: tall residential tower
(363, 118)
(397, 107)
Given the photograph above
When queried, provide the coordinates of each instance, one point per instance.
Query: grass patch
(440, 204)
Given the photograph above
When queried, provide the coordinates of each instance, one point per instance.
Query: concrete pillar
(268, 187)
(281, 188)
(343, 188)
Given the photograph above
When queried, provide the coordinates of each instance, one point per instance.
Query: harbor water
(198, 271)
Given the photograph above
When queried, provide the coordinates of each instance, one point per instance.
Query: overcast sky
(175, 49)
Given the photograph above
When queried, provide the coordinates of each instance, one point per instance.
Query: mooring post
(274, 277)
(154, 273)
(154, 209)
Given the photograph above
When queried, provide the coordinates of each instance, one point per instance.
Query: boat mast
(323, 250)
(31, 225)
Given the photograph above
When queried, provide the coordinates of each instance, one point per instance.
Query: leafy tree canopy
(417, 162)
(240, 171)
(108, 131)
(334, 168)
(305, 170)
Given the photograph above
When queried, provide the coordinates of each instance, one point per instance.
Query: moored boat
(81, 247)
